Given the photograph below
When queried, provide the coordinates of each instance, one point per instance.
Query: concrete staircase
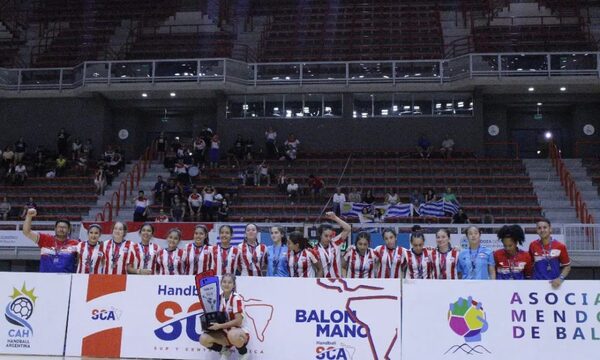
(589, 191)
(146, 184)
(550, 193)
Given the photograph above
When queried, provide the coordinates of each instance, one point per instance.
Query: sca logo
(174, 321)
(466, 318)
(19, 310)
(106, 314)
(334, 353)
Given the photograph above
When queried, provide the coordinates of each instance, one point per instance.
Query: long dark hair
(282, 231)
(363, 235)
(297, 238)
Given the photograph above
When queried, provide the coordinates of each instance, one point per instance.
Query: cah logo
(17, 312)
(344, 351)
(466, 318)
(106, 314)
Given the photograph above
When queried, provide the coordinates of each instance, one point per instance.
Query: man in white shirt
(20, 173)
(292, 190)
(447, 147)
(338, 199)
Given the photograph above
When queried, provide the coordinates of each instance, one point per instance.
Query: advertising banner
(158, 317)
(500, 319)
(35, 313)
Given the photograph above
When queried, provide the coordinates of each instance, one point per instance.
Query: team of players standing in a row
(292, 256)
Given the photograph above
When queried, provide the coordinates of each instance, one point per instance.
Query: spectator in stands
(460, 217)
(20, 174)
(88, 148)
(206, 133)
(430, 196)
(5, 209)
(171, 191)
(291, 148)
(249, 175)
(550, 257)
(416, 198)
(369, 197)
(208, 204)
(271, 143)
(76, 148)
(424, 147)
(39, 166)
(391, 197)
(282, 181)
(20, 149)
(177, 210)
(223, 211)
(159, 190)
(449, 196)
(62, 142)
(199, 147)
(181, 172)
(214, 153)
(162, 217)
(161, 146)
(355, 196)
(59, 253)
(263, 174)
(447, 147)
(487, 217)
(116, 163)
(100, 181)
(315, 185)
(249, 149)
(51, 174)
(338, 199)
(194, 204)
(82, 164)
(292, 191)
(142, 208)
(476, 262)
(30, 204)
(61, 165)
(8, 157)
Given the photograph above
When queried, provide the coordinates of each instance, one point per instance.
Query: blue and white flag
(399, 210)
(438, 208)
(351, 209)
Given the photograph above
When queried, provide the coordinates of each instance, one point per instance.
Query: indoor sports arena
(299, 179)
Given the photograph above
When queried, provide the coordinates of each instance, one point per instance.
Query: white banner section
(490, 241)
(157, 317)
(500, 319)
(35, 313)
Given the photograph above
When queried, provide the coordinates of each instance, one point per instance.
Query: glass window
(333, 105)
(293, 106)
(313, 104)
(383, 104)
(403, 105)
(274, 106)
(422, 104)
(363, 105)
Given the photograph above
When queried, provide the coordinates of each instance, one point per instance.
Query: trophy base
(207, 319)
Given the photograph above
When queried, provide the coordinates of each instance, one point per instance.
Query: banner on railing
(499, 319)
(35, 313)
(374, 213)
(157, 317)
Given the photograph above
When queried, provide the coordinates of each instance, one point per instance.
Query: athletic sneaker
(225, 354)
(246, 356)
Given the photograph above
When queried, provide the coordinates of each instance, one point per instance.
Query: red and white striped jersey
(390, 262)
(116, 257)
(143, 257)
(444, 265)
(300, 263)
(331, 257)
(360, 266)
(170, 262)
(90, 258)
(252, 258)
(417, 266)
(225, 261)
(198, 259)
(234, 305)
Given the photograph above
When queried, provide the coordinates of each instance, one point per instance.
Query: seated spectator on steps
(447, 147)
(20, 174)
(159, 190)
(315, 184)
(177, 210)
(391, 197)
(460, 217)
(424, 147)
(292, 191)
(5, 209)
(263, 174)
(162, 217)
(369, 197)
(194, 205)
(355, 196)
(338, 199)
(30, 204)
(449, 196)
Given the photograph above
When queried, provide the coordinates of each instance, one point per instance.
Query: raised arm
(32, 235)
(346, 228)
